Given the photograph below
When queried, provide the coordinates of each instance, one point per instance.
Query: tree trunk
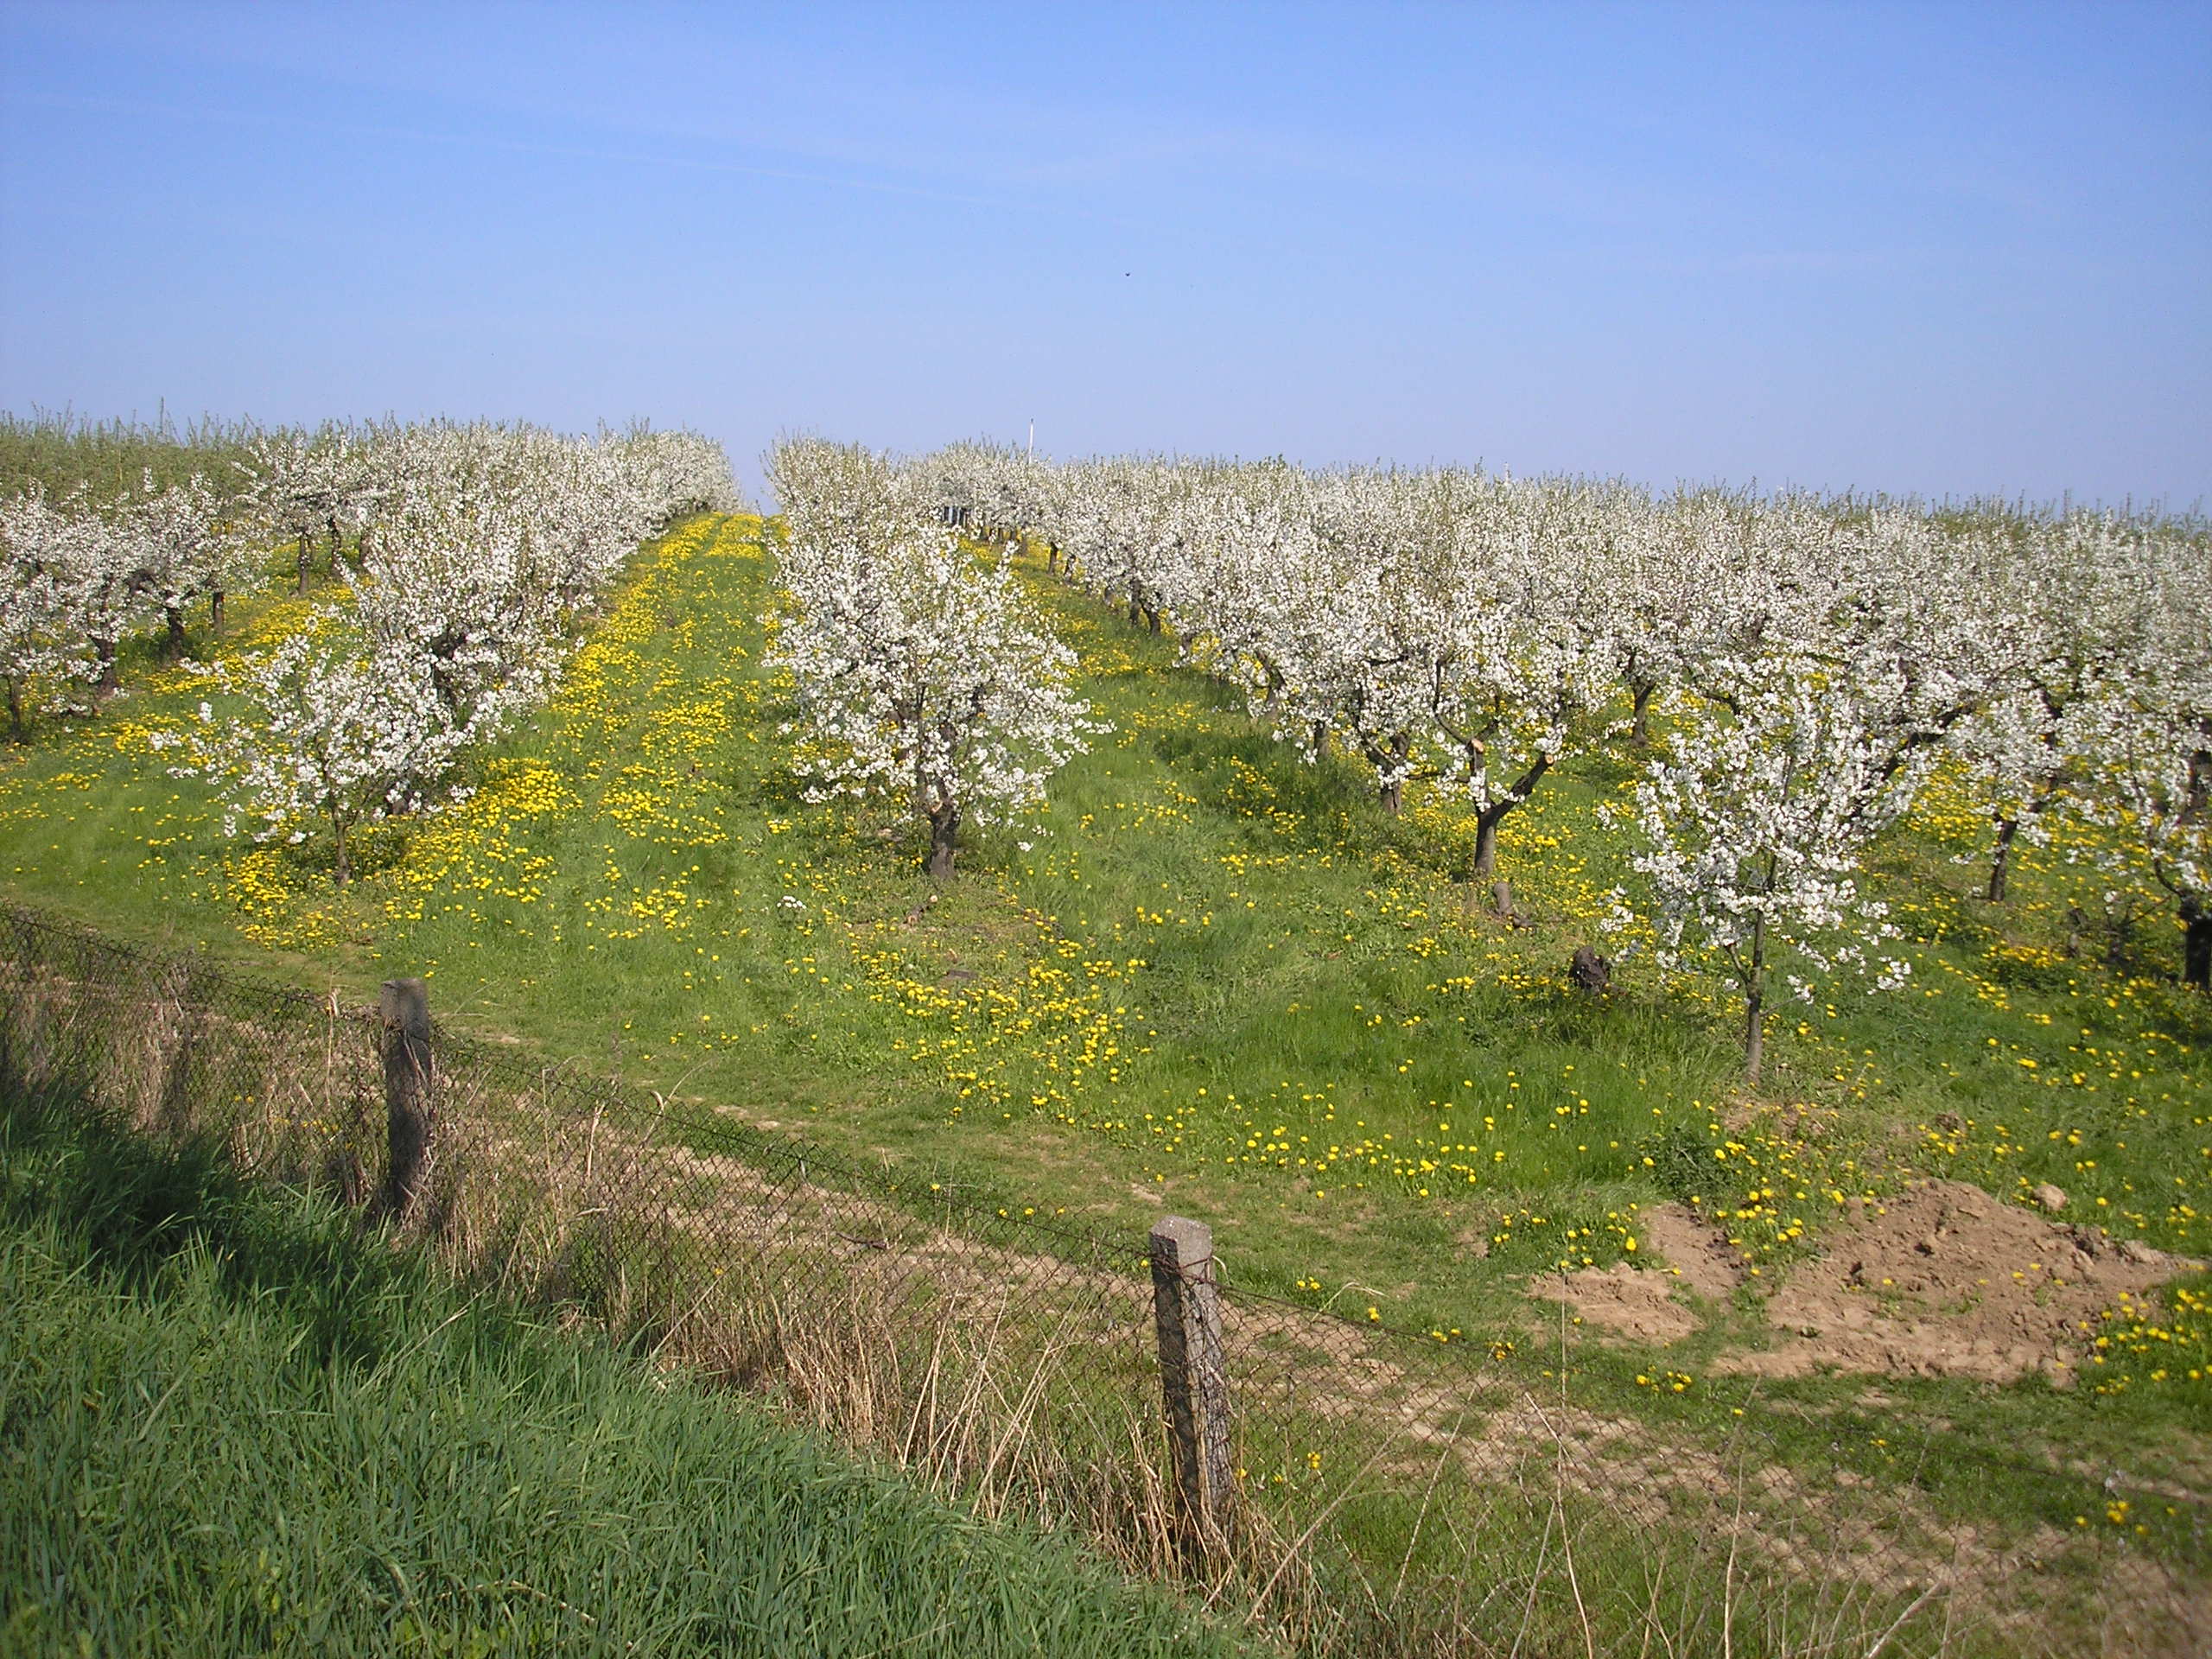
(1486, 823)
(1999, 865)
(215, 612)
(15, 711)
(1640, 701)
(1136, 607)
(173, 617)
(1274, 686)
(1392, 757)
(944, 831)
(1485, 870)
(302, 586)
(110, 672)
(343, 871)
(2196, 943)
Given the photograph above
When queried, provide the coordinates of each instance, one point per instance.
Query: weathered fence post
(1193, 1383)
(409, 1106)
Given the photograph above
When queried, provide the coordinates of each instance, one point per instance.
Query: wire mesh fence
(1348, 1487)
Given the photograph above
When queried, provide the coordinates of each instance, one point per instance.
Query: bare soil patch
(1623, 1299)
(1699, 1256)
(1946, 1280)
(1636, 1299)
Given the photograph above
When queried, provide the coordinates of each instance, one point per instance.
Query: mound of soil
(1694, 1251)
(1946, 1280)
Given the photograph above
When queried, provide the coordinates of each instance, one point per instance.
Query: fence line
(1354, 1489)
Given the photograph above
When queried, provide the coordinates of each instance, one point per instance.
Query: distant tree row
(60, 451)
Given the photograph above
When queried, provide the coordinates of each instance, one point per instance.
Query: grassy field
(232, 1425)
(1212, 980)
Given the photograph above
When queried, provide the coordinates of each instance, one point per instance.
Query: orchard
(1787, 671)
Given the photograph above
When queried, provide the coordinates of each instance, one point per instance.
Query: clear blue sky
(1934, 248)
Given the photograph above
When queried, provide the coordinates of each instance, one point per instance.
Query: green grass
(1226, 983)
(61, 451)
(230, 1424)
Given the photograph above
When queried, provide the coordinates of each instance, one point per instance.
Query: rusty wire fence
(1347, 1487)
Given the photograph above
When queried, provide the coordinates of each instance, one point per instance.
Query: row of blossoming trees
(461, 558)
(1808, 660)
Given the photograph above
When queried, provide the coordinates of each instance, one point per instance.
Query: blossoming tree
(920, 672)
(326, 732)
(42, 647)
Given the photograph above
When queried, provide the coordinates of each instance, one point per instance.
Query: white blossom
(328, 731)
(478, 550)
(43, 647)
(920, 673)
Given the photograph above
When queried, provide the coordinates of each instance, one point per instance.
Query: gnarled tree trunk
(2000, 862)
(1487, 820)
(1485, 869)
(1754, 982)
(944, 841)
(1391, 757)
(1640, 705)
(1754, 1031)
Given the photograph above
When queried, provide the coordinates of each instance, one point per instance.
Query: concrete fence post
(1193, 1383)
(409, 1104)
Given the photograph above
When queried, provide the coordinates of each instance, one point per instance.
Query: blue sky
(1939, 248)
